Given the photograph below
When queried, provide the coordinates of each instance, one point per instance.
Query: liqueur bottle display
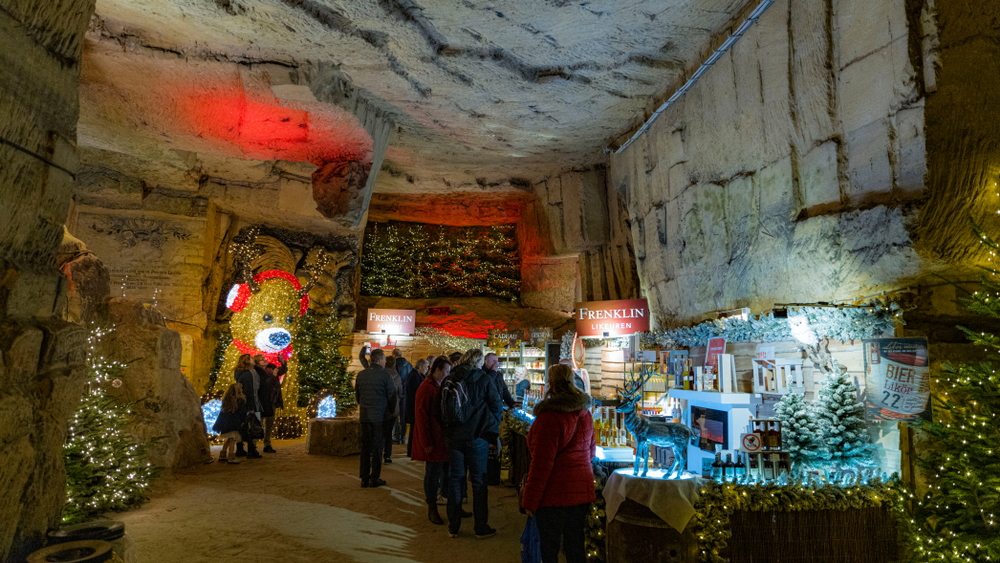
(717, 468)
(773, 436)
(728, 469)
(741, 469)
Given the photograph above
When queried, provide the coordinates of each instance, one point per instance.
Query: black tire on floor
(86, 551)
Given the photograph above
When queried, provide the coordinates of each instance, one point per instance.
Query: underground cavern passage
(768, 224)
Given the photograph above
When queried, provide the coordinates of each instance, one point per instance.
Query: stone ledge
(333, 436)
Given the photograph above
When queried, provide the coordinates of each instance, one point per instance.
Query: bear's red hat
(239, 295)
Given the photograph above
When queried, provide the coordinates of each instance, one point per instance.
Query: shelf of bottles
(762, 465)
(521, 359)
(609, 429)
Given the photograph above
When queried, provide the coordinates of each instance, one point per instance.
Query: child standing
(234, 412)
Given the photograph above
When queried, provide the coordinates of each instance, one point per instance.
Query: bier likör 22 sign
(612, 318)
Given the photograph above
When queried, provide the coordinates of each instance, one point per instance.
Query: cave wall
(793, 171)
(41, 356)
(584, 246)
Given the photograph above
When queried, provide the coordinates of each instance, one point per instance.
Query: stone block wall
(41, 356)
(588, 225)
(794, 169)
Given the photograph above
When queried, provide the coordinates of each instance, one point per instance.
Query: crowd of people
(400, 402)
(559, 487)
(257, 392)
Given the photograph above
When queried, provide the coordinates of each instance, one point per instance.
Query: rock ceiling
(480, 91)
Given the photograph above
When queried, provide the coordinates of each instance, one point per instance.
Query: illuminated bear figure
(265, 321)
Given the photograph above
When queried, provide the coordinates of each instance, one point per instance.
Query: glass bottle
(728, 469)
(717, 468)
(597, 424)
(685, 377)
(622, 436)
(773, 439)
(741, 469)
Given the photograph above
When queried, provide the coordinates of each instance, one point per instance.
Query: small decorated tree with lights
(840, 419)
(798, 430)
(958, 519)
(106, 469)
(321, 365)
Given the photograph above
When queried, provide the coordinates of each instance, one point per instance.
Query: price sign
(751, 442)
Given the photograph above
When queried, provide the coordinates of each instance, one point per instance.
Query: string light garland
(717, 501)
(957, 520)
(414, 260)
(446, 342)
(106, 468)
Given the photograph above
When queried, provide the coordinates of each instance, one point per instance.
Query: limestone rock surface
(167, 407)
(333, 436)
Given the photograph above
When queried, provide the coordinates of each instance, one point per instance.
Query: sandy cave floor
(291, 507)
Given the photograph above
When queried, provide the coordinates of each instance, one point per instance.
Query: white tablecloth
(670, 499)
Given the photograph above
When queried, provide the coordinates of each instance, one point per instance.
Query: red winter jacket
(427, 430)
(561, 442)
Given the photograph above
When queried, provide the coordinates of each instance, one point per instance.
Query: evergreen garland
(413, 260)
(863, 321)
(840, 419)
(799, 430)
(958, 518)
(106, 469)
(717, 501)
(321, 365)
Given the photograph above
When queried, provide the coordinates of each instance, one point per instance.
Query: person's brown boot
(432, 514)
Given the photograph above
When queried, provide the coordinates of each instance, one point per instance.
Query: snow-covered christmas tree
(840, 419)
(799, 430)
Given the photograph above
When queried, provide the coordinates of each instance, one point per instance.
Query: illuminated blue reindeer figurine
(663, 434)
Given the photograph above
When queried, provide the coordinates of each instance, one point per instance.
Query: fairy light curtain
(416, 260)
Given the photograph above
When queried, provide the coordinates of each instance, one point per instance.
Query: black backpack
(455, 408)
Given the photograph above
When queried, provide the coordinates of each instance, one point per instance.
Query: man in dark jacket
(375, 393)
(468, 443)
(491, 365)
(404, 368)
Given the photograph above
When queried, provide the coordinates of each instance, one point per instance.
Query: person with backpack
(375, 394)
(470, 414)
(560, 484)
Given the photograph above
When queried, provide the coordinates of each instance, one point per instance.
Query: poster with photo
(897, 384)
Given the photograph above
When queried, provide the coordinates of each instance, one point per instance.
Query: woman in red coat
(560, 485)
(428, 437)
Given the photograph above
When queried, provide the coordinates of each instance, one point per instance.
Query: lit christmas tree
(840, 419)
(958, 519)
(419, 261)
(105, 468)
(798, 430)
(321, 365)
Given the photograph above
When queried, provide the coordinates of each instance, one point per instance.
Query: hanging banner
(392, 321)
(897, 384)
(539, 336)
(609, 319)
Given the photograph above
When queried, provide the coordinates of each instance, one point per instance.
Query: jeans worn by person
(562, 525)
(372, 438)
(474, 454)
(435, 480)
